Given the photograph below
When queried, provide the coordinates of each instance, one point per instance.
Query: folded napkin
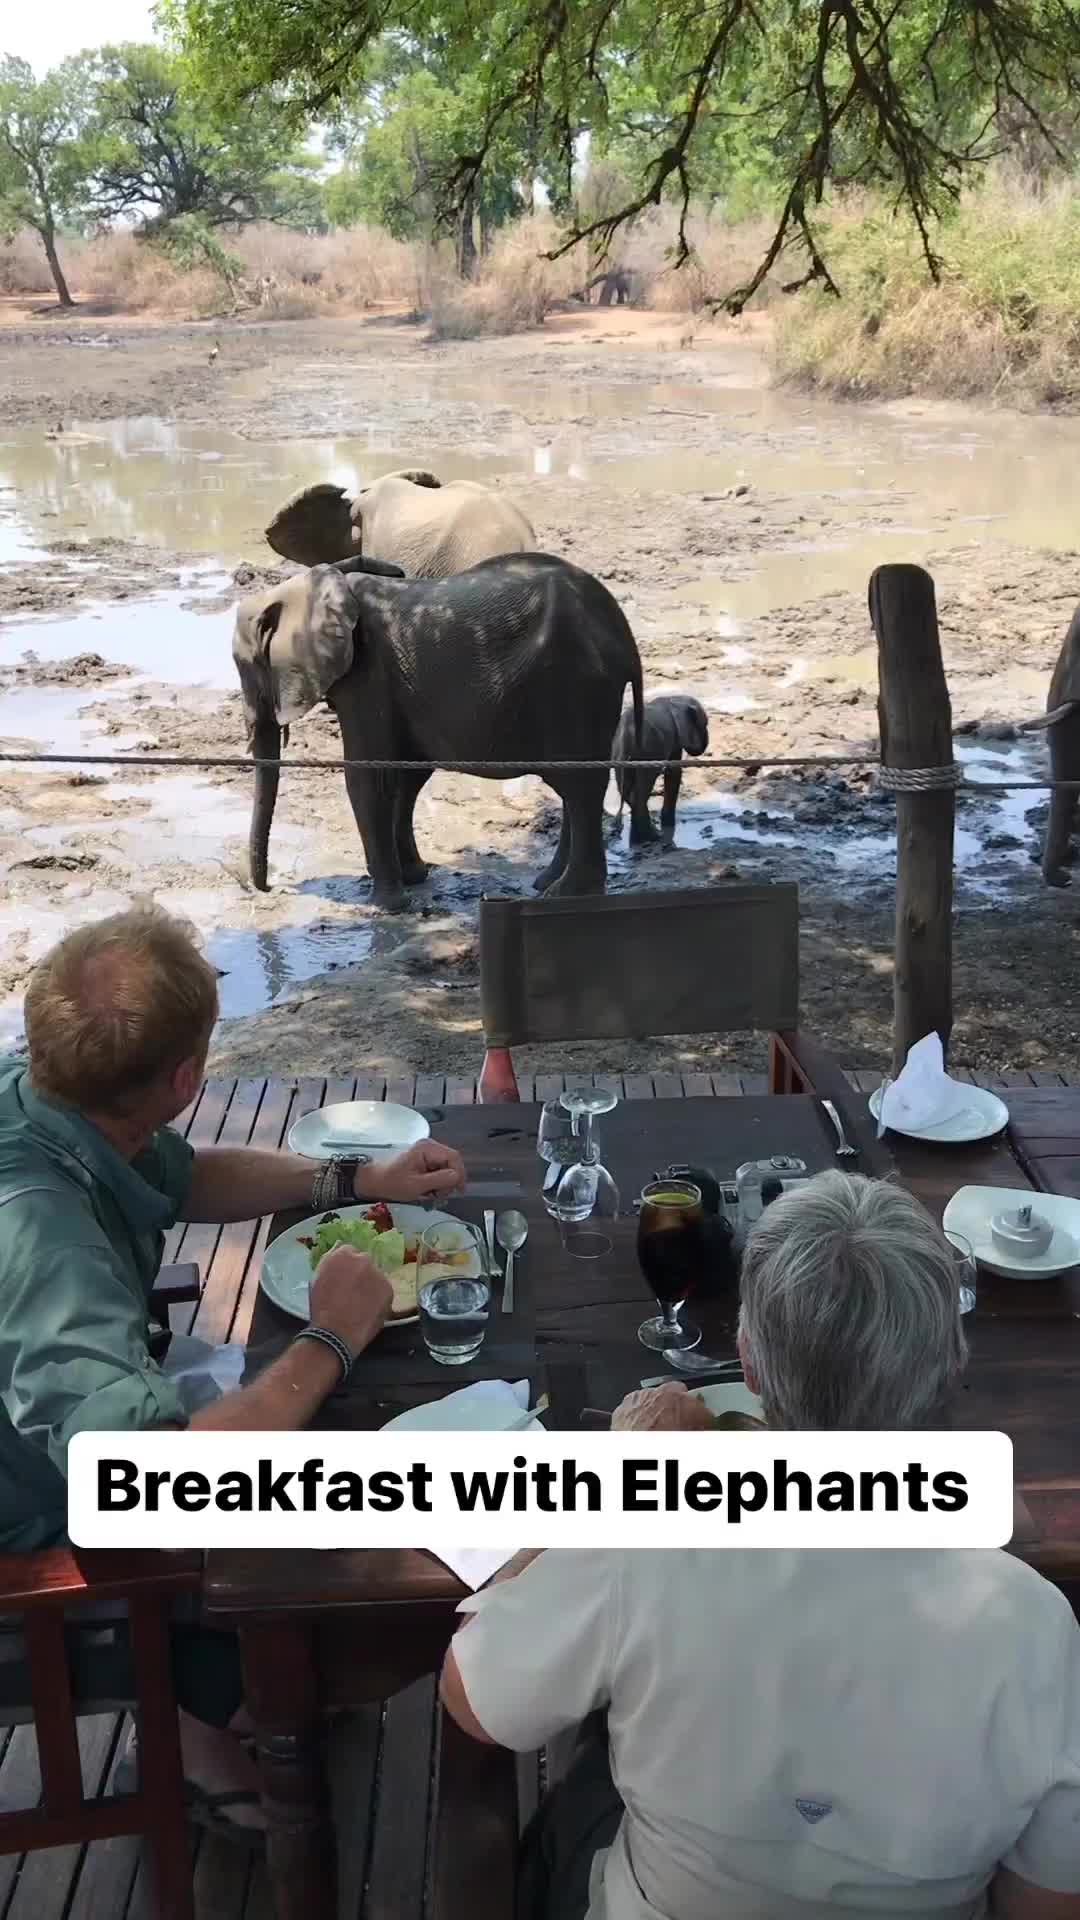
(922, 1095)
(201, 1373)
(474, 1566)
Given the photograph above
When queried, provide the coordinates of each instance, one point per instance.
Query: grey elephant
(523, 656)
(409, 518)
(672, 724)
(1062, 721)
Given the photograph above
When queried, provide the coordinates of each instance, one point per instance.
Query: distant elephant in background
(1062, 721)
(523, 656)
(672, 724)
(408, 518)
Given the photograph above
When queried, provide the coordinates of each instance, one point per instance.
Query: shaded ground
(736, 526)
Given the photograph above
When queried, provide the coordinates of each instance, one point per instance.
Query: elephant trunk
(265, 745)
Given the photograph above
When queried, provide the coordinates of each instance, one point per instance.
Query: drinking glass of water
(967, 1271)
(453, 1295)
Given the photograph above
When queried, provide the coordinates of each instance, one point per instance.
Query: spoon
(511, 1232)
(690, 1362)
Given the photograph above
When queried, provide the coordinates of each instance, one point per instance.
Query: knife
(489, 1236)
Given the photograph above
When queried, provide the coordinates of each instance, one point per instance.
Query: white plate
(359, 1122)
(465, 1412)
(286, 1269)
(971, 1210)
(733, 1399)
(983, 1117)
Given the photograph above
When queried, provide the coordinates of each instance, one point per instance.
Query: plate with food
(389, 1233)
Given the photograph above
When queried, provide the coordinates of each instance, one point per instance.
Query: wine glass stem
(586, 1136)
(669, 1314)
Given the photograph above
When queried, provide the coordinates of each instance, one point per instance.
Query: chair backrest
(623, 966)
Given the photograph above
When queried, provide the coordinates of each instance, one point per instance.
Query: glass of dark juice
(671, 1254)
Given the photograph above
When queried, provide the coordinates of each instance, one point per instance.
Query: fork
(844, 1149)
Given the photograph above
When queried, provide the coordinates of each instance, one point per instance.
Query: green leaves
(792, 95)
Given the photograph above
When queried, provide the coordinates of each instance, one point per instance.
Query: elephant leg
(373, 798)
(586, 870)
(1064, 765)
(557, 865)
(672, 784)
(413, 870)
(642, 830)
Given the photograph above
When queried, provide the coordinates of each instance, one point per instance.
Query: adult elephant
(1062, 720)
(409, 518)
(523, 656)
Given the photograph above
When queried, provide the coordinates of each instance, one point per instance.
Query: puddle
(155, 636)
(258, 967)
(49, 717)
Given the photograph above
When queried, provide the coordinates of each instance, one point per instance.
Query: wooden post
(915, 718)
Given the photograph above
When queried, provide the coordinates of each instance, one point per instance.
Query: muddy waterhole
(737, 524)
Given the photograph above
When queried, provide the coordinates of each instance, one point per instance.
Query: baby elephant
(673, 724)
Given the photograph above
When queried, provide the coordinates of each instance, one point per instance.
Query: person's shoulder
(1006, 1597)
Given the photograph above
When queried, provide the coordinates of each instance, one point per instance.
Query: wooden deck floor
(383, 1759)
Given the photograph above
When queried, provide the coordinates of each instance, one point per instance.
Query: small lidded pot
(1022, 1233)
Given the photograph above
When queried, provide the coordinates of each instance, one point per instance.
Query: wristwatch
(335, 1182)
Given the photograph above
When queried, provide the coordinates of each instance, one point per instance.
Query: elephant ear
(419, 476)
(297, 639)
(314, 527)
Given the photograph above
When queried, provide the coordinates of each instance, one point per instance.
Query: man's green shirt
(81, 1238)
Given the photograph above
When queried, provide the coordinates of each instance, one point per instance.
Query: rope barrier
(890, 779)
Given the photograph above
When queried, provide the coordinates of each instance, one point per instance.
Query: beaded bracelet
(331, 1340)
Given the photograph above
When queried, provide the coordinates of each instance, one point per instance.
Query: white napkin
(922, 1095)
(201, 1373)
(474, 1566)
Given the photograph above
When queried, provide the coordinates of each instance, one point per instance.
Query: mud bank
(736, 525)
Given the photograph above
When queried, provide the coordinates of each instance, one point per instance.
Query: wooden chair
(625, 966)
(41, 1596)
(475, 1828)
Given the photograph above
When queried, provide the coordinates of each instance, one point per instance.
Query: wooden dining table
(338, 1628)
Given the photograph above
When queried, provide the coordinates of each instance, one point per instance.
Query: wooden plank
(862, 1078)
(309, 1096)
(697, 1086)
(726, 1085)
(402, 1090)
(398, 1869)
(370, 1086)
(430, 1090)
(222, 1252)
(460, 1092)
(208, 1120)
(43, 1886)
(276, 1116)
(1017, 1077)
(526, 1088)
(1042, 1077)
(668, 1086)
(963, 1073)
(353, 1750)
(753, 1083)
(339, 1089)
(222, 1872)
(548, 1087)
(638, 1086)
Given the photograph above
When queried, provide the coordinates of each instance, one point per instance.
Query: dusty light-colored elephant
(524, 656)
(1062, 722)
(409, 518)
(672, 724)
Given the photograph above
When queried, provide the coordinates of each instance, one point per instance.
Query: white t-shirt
(797, 1733)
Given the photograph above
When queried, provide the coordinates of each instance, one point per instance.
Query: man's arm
(242, 1183)
(350, 1298)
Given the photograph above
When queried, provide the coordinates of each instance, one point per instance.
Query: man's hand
(423, 1172)
(349, 1297)
(667, 1409)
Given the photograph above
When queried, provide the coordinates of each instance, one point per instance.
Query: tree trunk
(487, 231)
(48, 241)
(467, 239)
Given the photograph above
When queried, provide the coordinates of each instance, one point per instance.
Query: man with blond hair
(119, 1017)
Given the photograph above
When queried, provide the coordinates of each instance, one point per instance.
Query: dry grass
(724, 257)
(514, 290)
(1004, 322)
